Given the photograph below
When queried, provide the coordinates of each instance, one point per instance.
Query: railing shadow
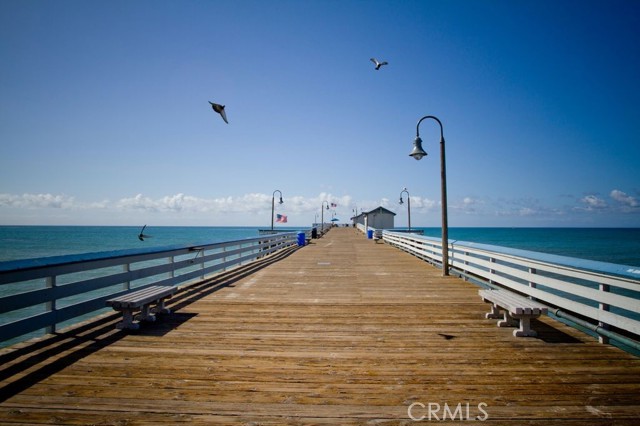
(197, 291)
(26, 364)
(41, 359)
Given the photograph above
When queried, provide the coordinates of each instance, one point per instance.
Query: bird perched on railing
(378, 64)
(220, 110)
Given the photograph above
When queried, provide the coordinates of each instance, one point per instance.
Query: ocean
(613, 245)
(28, 242)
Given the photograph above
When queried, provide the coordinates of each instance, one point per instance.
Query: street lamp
(408, 205)
(418, 153)
(322, 214)
(273, 202)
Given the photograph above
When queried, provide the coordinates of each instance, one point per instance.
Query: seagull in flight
(379, 64)
(142, 236)
(220, 110)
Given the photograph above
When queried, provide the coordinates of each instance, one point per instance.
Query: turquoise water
(28, 242)
(612, 245)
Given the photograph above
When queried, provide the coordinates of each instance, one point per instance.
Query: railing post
(466, 262)
(51, 304)
(491, 270)
(224, 258)
(201, 254)
(604, 307)
(532, 284)
(127, 284)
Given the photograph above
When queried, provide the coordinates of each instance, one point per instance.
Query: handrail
(606, 294)
(52, 292)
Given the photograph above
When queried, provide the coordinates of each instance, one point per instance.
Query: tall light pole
(273, 202)
(322, 214)
(408, 205)
(418, 153)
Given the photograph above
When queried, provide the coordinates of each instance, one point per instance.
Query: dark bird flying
(379, 64)
(142, 236)
(220, 110)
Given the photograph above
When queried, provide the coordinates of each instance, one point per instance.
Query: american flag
(281, 218)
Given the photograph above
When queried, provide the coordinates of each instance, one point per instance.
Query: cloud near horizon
(188, 206)
(623, 202)
(624, 199)
(37, 201)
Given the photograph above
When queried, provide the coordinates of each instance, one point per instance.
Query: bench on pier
(141, 300)
(515, 309)
(377, 235)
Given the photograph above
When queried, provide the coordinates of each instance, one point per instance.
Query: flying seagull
(379, 64)
(220, 110)
(142, 236)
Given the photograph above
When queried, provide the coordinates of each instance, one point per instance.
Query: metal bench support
(513, 311)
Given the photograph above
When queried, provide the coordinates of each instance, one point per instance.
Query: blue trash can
(370, 234)
(301, 239)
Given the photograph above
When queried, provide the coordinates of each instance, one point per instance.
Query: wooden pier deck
(343, 331)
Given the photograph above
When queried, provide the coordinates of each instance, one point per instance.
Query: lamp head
(401, 202)
(281, 202)
(417, 151)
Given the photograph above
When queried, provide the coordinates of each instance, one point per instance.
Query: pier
(342, 331)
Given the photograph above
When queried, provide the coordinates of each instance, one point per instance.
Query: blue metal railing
(45, 294)
(606, 294)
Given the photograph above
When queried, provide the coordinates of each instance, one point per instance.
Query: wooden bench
(141, 300)
(377, 235)
(515, 309)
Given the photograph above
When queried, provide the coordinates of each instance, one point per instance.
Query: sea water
(613, 245)
(29, 242)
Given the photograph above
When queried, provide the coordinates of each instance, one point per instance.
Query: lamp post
(273, 202)
(418, 153)
(408, 206)
(322, 214)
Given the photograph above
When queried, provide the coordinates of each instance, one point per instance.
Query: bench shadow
(163, 324)
(42, 358)
(549, 334)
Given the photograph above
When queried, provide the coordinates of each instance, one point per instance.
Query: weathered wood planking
(344, 331)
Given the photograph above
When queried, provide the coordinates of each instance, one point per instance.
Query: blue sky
(104, 114)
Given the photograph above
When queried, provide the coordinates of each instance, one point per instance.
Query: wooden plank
(342, 331)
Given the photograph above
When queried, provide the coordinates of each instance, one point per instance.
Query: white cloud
(255, 208)
(424, 205)
(248, 203)
(593, 203)
(623, 198)
(36, 201)
(468, 201)
(527, 211)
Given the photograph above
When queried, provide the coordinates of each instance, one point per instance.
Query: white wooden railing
(605, 294)
(49, 293)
